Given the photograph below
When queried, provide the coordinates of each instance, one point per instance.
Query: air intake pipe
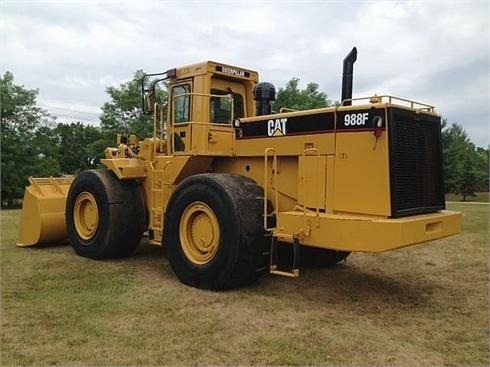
(347, 73)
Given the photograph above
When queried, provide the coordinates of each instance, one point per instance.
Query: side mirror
(150, 100)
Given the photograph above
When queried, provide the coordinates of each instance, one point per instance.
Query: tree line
(34, 144)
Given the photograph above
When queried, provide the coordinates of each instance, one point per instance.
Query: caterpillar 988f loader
(225, 183)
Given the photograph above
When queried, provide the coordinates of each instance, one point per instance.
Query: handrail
(204, 95)
(171, 125)
(229, 96)
(203, 123)
(161, 129)
(170, 134)
(164, 207)
(286, 109)
(393, 100)
(266, 179)
(155, 109)
(315, 152)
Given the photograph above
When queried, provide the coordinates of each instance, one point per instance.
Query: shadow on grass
(146, 252)
(43, 246)
(348, 283)
(351, 286)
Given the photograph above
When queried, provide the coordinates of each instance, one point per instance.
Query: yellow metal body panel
(311, 183)
(212, 139)
(253, 167)
(362, 182)
(293, 145)
(361, 233)
(126, 168)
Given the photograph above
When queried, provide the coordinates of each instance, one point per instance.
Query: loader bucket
(43, 212)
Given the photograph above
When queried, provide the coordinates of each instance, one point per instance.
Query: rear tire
(105, 217)
(214, 232)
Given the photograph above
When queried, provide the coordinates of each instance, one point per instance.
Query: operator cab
(203, 101)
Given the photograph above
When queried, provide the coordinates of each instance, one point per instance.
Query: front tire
(105, 217)
(214, 232)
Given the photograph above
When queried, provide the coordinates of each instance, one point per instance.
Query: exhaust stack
(347, 73)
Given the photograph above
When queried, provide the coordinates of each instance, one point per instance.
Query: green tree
(95, 145)
(468, 178)
(22, 151)
(483, 166)
(123, 115)
(78, 147)
(294, 98)
(465, 166)
(455, 144)
(45, 145)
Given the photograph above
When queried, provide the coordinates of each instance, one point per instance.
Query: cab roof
(216, 68)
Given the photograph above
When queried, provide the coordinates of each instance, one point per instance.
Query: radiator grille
(415, 163)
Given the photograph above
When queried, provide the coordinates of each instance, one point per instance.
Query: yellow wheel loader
(233, 188)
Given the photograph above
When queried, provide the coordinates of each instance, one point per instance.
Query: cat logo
(276, 127)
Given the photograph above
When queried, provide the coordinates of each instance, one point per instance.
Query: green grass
(483, 197)
(423, 305)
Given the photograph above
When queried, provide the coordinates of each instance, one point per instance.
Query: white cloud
(433, 51)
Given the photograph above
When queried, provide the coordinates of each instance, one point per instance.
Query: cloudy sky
(433, 52)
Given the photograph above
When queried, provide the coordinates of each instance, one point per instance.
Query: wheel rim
(86, 215)
(199, 233)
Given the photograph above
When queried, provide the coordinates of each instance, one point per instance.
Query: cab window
(220, 106)
(181, 103)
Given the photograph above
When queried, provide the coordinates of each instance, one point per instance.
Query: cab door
(180, 103)
(226, 103)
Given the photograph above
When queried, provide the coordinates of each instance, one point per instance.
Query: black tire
(120, 210)
(312, 257)
(237, 203)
